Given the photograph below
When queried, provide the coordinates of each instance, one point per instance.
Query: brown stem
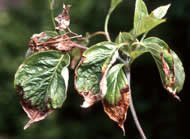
(80, 46)
(94, 34)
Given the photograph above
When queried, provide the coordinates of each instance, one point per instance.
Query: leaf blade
(94, 63)
(160, 12)
(40, 84)
(116, 100)
(140, 12)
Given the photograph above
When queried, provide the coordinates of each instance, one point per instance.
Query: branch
(128, 75)
(80, 46)
(96, 33)
(106, 26)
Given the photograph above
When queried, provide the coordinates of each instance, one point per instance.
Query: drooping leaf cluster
(42, 79)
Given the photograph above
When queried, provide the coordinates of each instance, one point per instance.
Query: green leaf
(140, 12)
(42, 82)
(169, 65)
(179, 72)
(116, 100)
(160, 12)
(146, 24)
(114, 4)
(93, 66)
(143, 22)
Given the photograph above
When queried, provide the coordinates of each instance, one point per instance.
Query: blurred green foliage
(160, 115)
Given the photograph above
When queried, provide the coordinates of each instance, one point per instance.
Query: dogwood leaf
(42, 82)
(116, 100)
(93, 66)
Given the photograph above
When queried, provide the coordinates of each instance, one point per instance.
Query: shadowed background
(160, 115)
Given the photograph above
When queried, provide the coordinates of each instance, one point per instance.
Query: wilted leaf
(146, 24)
(63, 19)
(169, 65)
(50, 40)
(92, 67)
(116, 100)
(42, 82)
(140, 12)
(160, 12)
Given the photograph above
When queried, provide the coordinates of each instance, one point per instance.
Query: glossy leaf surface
(116, 101)
(92, 67)
(42, 82)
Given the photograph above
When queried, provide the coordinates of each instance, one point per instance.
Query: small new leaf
(116, 100)
(63, 19)
(42, 82)
(140, 12)
(93, 66)
(160, 12)
(143, 22)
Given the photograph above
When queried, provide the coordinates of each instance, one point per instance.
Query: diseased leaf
(160, 12)
(116, 100)
(63, 19)
(42, 82)
(50, 40)
(93, 66)
(169, 65)
(179, 72)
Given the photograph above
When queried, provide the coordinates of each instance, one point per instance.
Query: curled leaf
(42, 82)
(116, 100)
(169, 65)
(93, 65)
(63, 19)
(51, 41)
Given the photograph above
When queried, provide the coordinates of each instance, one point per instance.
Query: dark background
(161, 116)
